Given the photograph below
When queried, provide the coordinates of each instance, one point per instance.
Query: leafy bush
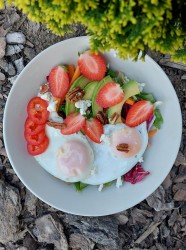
(127, 26)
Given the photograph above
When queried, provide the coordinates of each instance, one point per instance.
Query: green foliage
(127, 26)
(159, 119)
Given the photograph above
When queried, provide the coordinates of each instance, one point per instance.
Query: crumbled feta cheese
(93, 171)
(83, 105)
(119, 182)
(141, 160)
(105, 139)
(141, 86)
(100, 188)
(158, 103)
(53, 116)
(46, 96)
(52, 106)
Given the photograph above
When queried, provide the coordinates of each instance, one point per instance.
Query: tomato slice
(38, 149)
(37, 110)
(31, 128)
(35, 139)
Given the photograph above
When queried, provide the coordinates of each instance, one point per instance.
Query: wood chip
(150, 229)
(167, 62)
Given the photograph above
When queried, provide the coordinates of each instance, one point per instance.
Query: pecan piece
(123, 147)
(44, 88)
(75, 95)
(101, 117)
(56, 125)
(114, 118)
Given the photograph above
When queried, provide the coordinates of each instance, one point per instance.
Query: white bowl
(158, 159)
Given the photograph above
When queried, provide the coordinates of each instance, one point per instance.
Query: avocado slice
(89, 90)
(130, 88)
(95, 106)
(80, 82)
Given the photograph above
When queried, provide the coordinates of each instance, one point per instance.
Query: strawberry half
(139, 112)
(110, 95)
(74, 123)
(93, 129)
(92, 66)
(59, 81)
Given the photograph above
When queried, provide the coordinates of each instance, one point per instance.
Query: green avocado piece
(80, 82)
(89, 90)
(95, 106)
(130, 89)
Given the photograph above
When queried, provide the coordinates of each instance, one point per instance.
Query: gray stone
(7, 67)
(30, 202)
(2, 47)
(102, 230)
(22, 248)
(157, 200)
(122, 218)
(10, 208)
(2, 76)
(180, 160)
(19, 65)
(49, 229)
(79, 241)
(180, 195)
(29, 53)
(13, 18)
(13, 49)
(12, 79)
(15, 38)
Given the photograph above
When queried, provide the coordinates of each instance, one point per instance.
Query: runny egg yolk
(129, 136)
(74, 159)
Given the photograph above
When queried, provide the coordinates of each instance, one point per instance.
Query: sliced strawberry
(92, 66)
(109, 95)
(139, 112)
(94, 129)
(59, 81)
(74, 123)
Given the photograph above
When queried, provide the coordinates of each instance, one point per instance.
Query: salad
(91, 125)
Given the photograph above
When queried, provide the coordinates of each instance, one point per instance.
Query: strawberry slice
(93, 129)
(92, 66)
(59, 81)
(139, 112)
(109, 95)
(74, 123)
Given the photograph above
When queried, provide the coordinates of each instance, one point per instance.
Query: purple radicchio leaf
(136, 174)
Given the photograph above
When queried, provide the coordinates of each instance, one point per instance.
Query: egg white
(48, 159)
(109, 166)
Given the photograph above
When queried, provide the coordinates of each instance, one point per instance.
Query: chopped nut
(123, 147)
(75, 94)
(102, 118)
(44, 88)
(114, 118)
(56, 125)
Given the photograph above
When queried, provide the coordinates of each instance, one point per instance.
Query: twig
(167, 62)
(150, 229)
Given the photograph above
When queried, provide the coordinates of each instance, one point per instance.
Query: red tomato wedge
(92, 66)
(32, 128)
(35, 139)
(59, 81)
(139, 112)
(74, 123)
(110, 95)
(37, 110)
(93, 129)
(38, 149)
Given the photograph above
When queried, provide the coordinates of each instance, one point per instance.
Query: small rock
(30, 202)
(7, 67)
(78, 241)
(138, 217)
(3, 31)
(19, 65)
(180, 195)
(29, 242)
(160, 247)
(22, 248)
(10, 208)
(13, 18)
(49, 229)
(2, 46)
(181, 177)
(2, 76)
(122, 218)
(31, 45)
(12, 79)
(29, 53)
(15, 38)
(13, 49)
(3, 152)
(167, 182)
(157, 200)
(180, 160)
